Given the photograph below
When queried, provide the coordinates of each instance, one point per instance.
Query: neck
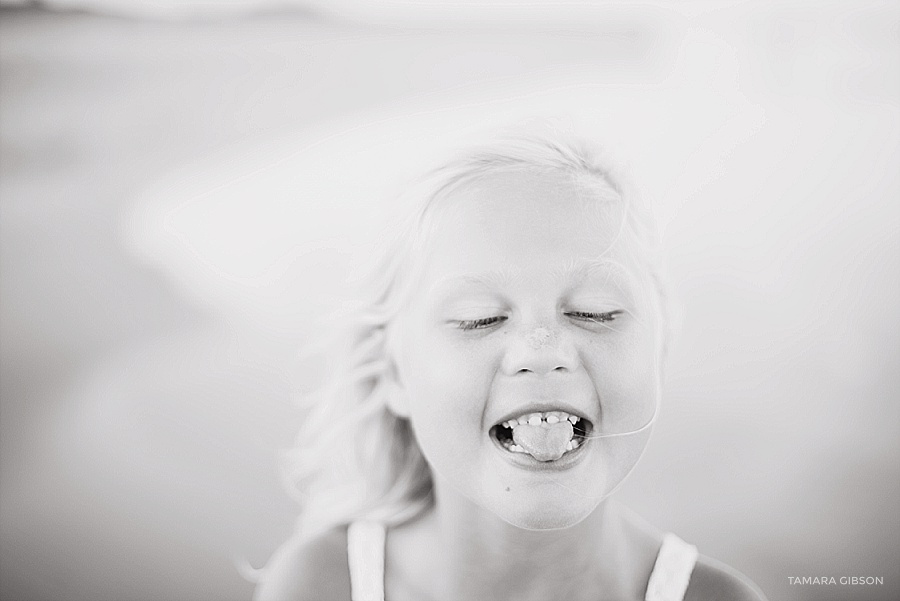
(476, 555)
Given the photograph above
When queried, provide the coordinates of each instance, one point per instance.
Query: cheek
(447, 382)
(622, 359)
(625, 373)
(447, 396)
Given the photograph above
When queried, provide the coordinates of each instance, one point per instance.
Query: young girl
(498, 386)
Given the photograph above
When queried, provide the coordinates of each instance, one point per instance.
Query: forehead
(525, 225)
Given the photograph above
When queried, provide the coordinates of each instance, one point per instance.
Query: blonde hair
(354, 458)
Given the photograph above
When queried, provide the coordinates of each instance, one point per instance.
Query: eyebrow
(490, 278)
(581, 269)
(578, 270)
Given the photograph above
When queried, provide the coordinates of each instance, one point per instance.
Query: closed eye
(595, 317)
(477, 324)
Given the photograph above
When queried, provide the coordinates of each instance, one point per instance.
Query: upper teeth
(535, 419)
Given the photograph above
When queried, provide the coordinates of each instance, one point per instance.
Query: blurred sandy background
(147, 371)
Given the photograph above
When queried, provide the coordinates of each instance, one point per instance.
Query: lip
(527, 462)
(541, 408)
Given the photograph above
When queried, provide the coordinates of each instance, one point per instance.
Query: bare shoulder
(315, 570)
(712, 580)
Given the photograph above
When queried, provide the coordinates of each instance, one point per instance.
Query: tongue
(546, 442)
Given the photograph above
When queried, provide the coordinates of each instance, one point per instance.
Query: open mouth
(545, 436)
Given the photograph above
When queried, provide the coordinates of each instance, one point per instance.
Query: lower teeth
(515, 448)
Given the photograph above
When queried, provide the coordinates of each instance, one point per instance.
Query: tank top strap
(672, 571)
(365, 556)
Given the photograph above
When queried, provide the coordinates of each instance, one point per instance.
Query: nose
(541, 350)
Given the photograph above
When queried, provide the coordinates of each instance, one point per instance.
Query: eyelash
(595, 317)
(479, 324)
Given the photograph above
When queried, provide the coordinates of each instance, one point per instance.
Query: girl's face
(529, 315)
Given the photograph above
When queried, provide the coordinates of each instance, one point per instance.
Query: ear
(397, 399)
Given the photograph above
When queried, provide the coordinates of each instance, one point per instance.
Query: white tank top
(365, 553)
